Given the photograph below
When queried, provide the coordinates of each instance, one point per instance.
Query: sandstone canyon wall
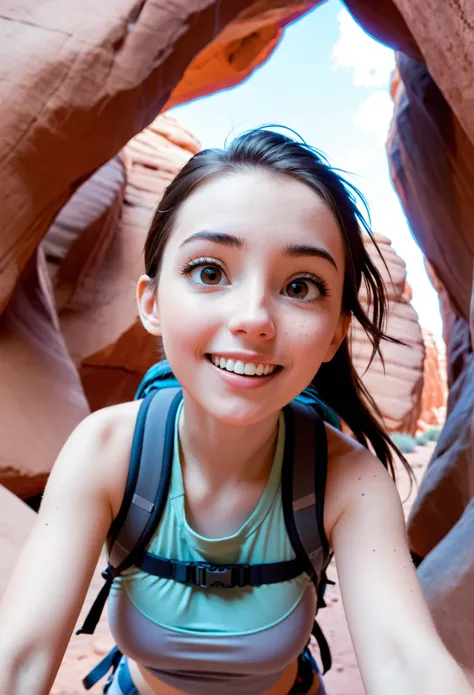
(71, 342)
(77, 85)
(397, 384)
(435, 384)
(431, 159)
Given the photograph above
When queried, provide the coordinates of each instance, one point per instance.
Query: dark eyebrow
(218, 238)
(232, 241)
(297, 250)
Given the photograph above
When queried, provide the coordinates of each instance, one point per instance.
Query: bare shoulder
(98, 452)
(110, 424)
(354, 474)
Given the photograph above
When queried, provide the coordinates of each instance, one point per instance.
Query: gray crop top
(200, 664)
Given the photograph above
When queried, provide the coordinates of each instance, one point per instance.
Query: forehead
(263, 208)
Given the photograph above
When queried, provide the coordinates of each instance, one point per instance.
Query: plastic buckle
(243, 574)
(213, 576)
(109, 574)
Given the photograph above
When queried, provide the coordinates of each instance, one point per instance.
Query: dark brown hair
(337, 382)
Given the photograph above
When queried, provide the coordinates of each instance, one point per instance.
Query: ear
(148, 305)
(339, 335)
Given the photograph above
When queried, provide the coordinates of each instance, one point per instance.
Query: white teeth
(240, 367)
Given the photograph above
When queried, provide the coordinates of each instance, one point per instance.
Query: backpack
(303, 485)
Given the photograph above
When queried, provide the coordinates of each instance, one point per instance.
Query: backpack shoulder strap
(146, 491)
(159, 376)
(303, 487)
(149, 477)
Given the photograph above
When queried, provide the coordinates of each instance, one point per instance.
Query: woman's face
(249, 296)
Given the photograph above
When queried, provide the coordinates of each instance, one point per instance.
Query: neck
(226, 454)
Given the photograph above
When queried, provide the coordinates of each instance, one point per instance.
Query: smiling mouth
(250, 369)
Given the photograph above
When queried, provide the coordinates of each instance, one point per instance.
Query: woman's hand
(395, 640)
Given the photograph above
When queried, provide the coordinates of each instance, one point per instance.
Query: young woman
(254, 260)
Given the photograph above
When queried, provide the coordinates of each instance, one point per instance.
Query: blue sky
(328, 81)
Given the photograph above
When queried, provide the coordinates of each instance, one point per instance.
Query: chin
(238, 413)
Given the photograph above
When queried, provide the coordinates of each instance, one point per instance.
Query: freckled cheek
(310, 334)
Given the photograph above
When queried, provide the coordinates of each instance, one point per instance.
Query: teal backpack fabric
(160, 375)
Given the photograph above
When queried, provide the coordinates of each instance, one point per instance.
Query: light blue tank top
(237, 639)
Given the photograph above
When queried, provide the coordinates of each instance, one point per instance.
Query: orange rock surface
(114, 355)
(71, 340)
(430, 138)
(78, 84)
(435, 383)
(238, 49)
(396, 389)
(41, 396)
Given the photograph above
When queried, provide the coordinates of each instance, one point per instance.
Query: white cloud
(374, 115)
(370, 62)
(356, 158)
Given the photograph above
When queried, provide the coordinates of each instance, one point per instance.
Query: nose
(251, 316)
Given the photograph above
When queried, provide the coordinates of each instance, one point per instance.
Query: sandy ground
(344, 679)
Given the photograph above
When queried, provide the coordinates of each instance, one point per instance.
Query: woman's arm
(396, 642)
(40, 606)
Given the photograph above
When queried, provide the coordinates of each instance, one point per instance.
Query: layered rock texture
(71, 340)
(397, 384)
(434, 137)
(435, 384)
(75, 86)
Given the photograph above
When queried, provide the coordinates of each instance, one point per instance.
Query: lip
(241, 381)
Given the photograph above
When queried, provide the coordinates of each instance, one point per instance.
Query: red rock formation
(77, 84)
(448, 313)
(434, 32)
(114, 361)
(427, 137)
(435, 387)
(442, 204)
(41, 396)
(243, 45)
(386, 24)
(87, 317)
(397, 389)
(101, 53)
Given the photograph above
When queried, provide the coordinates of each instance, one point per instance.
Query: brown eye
(205, 272)
(297, 289)
(306, 289)
(210, 276)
